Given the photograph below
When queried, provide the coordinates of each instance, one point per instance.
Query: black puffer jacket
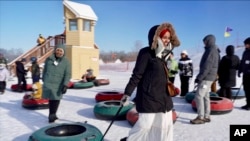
(20, 71)
(228, 66)
(245, 62)
(150, 79)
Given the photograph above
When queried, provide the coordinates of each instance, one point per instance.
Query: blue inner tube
(238, 93)
(67, 132)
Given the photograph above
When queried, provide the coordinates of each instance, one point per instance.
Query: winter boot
(53, 106)
(19, 88)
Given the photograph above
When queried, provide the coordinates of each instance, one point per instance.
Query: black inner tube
(65, 130)
(113, 103)
(215, 98)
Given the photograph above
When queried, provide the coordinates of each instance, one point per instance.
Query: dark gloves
(239, 74)
(197, 81)
(173, 71)
(64, 89)
(125, 100)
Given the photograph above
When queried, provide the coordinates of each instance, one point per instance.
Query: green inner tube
(107, 110)
(67, 132)
(83, 85)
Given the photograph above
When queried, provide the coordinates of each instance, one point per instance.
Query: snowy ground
(18, 123)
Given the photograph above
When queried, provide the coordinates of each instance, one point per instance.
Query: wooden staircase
(41, 52)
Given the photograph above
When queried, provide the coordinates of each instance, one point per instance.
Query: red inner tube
(132, 116)
(218, 104)
(70, 84)
(15, 87)
(102, 81)
(105, 96)
(33, 102)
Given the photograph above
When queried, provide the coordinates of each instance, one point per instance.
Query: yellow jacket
(37, 90)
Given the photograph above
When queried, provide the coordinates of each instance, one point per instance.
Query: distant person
(36, 91)
(186, 72)
(172, 66)
(208, 69)
(228, 66)
(3, 60)
(35, 70)
(152, 100)
(21, 73)
(4, 75)
(40, 40)
(245, 69)
(56, 76)
(88, 76)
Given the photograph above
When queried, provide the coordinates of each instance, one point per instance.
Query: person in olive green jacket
(56, 75)
(172, 65)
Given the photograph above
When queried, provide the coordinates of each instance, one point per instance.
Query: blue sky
(121, 23)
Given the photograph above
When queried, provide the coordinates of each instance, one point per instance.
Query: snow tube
(106, 110)
(99, 82)
(32, 104)
(132, 116)
(108, 95)
(219, 105)
(67, 132)
(177, 91)
(83, 85)
(190, 96)
(70, 84)
(240, 95)
(14, 87)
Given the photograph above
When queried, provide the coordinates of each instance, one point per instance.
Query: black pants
(20, 79)
(246, 87)
(184, 85)
(226, 92)
(53, 106)
(171, 79)
(2, 86)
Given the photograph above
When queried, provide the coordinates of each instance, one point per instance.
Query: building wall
(81, 59)
(80, 48)
(79, 37)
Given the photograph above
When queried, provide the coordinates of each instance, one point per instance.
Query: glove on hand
(125, 100)
(196, 81)
(173, 72)
(64, 89)
(239, 74)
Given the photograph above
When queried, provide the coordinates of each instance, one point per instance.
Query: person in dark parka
(20, 73)
(35, 70)
(228, 66)
(245, 69)
(185, 66)
(56, 75)
(207, 74)
(152, 100)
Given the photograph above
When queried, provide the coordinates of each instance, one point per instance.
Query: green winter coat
(172, 67)
(55, 77)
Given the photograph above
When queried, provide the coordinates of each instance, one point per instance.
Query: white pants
(152, 127)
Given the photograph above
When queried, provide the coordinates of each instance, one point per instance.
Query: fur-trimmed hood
(155, 31)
